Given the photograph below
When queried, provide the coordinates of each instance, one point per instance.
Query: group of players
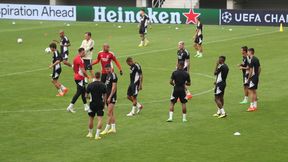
(103, 87)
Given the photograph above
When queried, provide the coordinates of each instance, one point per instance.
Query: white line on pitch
(152, 51)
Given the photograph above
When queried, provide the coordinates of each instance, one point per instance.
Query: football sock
(60, 90)
(107, 127)
(251, 104)
(245, 98)
(138, 105)
(255, 104)
(184, 116)
(133, 109)
(222, 110)
(197, 52)
(219, 111)
(70, 106)
(90, 130)
(62, 87)
(113, 126)
(170, 114)
(142, 42)
(97, 132)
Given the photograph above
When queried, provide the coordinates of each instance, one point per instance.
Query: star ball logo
(226, 17)
(191, 16)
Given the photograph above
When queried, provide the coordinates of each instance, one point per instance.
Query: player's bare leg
(219, 100)
(90, 127)
(59, 87)
(142, 36)
(135, 105)
(197, 50)
(111, 118)
(253, 105)
(99, 127)
(246, 94)
(65, 62)
(171, 110)
(184, 112)
(200, 49)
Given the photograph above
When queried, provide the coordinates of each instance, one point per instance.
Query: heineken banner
(253, 17)
(156, 15)
(37, 12)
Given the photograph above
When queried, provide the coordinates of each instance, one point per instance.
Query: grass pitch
(34, 125)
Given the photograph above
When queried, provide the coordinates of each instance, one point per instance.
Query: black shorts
(56, 74)
(65, 55)
(113, 99)
(80, 83)
(96, 109)
(143, 30)
(219, 89)
(253, 82)
(199, 39)
(133, 90)
(245, 80)
(178, 93)
(87, 64)
(103, 78)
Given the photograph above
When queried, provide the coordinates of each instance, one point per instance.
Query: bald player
(64, 44)
(106, 57)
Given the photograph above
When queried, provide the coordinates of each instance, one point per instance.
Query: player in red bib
(105, 57)
(79, 77)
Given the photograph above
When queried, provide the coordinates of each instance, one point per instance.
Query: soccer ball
(226, 17)
(47, 50)
(19, 40)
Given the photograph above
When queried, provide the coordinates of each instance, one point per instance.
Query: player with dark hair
(106, 57)
(184, 56)
(221, 72)
(88, 45)
(253, 77)
(136, 81)
(244, 67)
(198, 39)
(143, 25)
(64, 44)
(111, 84)
(179, 80)
(79, 77)
(56, 65)
(97, 90)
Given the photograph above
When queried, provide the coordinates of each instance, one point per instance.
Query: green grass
(34, 125)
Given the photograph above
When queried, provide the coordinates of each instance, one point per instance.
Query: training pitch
(34, 124)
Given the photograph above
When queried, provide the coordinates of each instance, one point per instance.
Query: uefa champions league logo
(226, 17)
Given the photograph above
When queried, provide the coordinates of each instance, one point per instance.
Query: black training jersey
(183, 55)
(97, 89)
(135, 73)
(200, 28)
(63, 44)
(56, 56)
(221, 73)
(254, 64)
(244, 64)
(180, 77)
(110, 79)
(144, 21)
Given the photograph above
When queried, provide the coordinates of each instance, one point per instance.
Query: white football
(19, 40)
(237, 134)
(47, 50)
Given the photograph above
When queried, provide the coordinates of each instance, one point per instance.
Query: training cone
(281, 27)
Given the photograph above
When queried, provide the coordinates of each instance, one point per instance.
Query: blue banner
(253, 17)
